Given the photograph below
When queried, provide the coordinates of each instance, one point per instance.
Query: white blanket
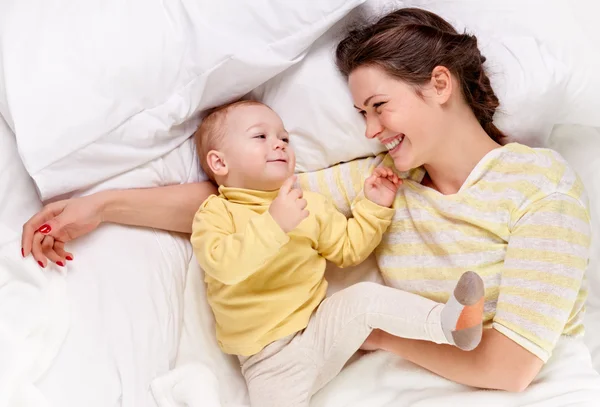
(206, 377)
(33, 322)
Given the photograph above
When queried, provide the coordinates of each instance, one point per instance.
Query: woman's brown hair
(409, 43)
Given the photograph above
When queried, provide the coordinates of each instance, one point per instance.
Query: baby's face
(256, 149)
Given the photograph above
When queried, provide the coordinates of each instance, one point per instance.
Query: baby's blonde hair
(211, 131)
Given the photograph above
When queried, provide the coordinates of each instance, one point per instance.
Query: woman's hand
(169, 208)
(45, 234)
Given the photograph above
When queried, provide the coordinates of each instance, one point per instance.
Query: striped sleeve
(541, 287)
(341, 183)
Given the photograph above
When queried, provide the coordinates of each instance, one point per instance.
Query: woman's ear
(441, 82)
(216, 162)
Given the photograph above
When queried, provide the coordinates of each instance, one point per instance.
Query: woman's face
(408, 124)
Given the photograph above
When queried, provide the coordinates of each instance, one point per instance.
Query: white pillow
(18, 198)
(568, 41)
(534, 79)
(92, 89)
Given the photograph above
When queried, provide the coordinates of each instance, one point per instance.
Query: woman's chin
(402, 164)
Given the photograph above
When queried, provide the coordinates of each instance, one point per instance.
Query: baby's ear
(216, 162)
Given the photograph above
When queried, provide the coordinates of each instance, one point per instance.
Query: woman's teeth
(392, 144)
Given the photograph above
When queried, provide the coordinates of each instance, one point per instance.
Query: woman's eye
(378, 105)
(363, 113)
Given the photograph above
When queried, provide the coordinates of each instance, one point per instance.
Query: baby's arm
(228, 256)
(348, 242)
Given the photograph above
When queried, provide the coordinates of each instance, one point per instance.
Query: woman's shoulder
(544, 169)
(542, 157)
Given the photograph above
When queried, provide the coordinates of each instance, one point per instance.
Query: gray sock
(462, 316)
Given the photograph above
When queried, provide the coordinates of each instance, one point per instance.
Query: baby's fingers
(380, 172)
(371, 180)
(386, 182)
(302, 203)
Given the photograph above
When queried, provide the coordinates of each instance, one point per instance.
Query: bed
(105, 95)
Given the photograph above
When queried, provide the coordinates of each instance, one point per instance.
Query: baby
(263, 245)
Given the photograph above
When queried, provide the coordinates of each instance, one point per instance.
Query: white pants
(286, 373)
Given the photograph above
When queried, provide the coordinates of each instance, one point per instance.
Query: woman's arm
(169, 208)
(497, 363)
(540, 298)
(341, 183)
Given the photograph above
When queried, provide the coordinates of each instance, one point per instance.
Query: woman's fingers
(50, 253)
(59, 248)
(36, 249)
(37, 221)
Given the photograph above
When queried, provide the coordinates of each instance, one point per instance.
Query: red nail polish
(60, 263)
(45, 229)
(41, 264)
(69, 258)
(22, 252)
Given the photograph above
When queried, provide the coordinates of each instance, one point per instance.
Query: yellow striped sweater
(520, 220)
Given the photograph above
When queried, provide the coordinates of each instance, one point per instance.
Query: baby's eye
(261, 136)
(285, 140)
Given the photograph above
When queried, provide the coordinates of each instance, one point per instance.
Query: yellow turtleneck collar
(248, 196)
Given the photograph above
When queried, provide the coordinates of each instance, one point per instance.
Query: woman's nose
(374, 127)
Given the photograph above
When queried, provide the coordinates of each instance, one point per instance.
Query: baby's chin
(275, 181)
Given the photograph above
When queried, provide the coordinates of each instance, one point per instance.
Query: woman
(513, 214)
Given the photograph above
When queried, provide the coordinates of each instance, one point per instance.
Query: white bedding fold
(34, 321)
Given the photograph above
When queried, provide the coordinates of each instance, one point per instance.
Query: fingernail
(41, 264)
(69, 258)
(45, 229)
(60, 263)
(22, 252)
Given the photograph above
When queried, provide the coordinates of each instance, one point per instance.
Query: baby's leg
(282, 374)
(343, 321)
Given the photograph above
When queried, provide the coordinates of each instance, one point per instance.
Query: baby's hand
(288, 209)
(381, 186)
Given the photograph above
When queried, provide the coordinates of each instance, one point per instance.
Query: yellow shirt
(264, 284)
(520, 220)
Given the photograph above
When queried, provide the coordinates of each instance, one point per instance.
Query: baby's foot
(462, 316)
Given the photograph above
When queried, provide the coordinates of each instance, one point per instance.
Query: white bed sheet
(98, 332)
(125, 289)
(33, 307)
